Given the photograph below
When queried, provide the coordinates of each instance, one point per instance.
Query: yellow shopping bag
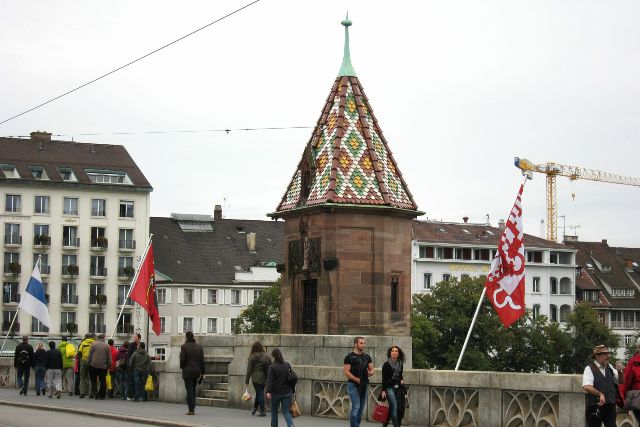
(109, 381)
(148, 386)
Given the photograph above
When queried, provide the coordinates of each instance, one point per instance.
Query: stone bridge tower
(348, 216)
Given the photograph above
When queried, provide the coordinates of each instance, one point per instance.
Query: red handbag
(380, 413)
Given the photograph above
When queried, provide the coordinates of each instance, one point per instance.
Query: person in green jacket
(257, 368)
(140, 362)
(67, 366)
(83, 349)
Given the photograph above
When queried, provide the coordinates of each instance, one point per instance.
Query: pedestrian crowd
(95, 368)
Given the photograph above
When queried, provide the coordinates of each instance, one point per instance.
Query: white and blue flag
(34, 300)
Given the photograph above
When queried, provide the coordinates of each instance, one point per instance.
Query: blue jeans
(284, 400)
(26, 373)
(139, 378)
(358, 401)
(259, 402)
(40, 384)
(190, 385)
(393, 405)
(123, 384)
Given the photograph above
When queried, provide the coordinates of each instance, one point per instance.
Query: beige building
(83, 209)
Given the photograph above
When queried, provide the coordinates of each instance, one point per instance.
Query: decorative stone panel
(330, 399)
(522, 408)
(5, 374)
(455, 407)
(626, 420)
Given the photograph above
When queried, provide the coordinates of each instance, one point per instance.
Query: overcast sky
(459, 89)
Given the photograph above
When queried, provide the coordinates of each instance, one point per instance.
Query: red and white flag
(505, 282)
(144, 290)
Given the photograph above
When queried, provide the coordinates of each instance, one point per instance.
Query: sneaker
(262, 414)
(253, 411)
(82, 396)
(190, 413)
(50, 396)
(58, 394)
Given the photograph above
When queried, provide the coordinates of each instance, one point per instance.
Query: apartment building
(209, 269)
(83, 210)
(443, 250)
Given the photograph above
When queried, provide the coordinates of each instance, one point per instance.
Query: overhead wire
(131, 63)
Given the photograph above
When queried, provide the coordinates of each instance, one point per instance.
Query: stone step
(215, 394)
(217, 378)
(220, 386)
(217, 403)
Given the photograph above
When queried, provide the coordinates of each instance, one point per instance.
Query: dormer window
(10, 171)
(67, 175)
(108, 177)
(38, 173)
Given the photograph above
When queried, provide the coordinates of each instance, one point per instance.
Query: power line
(131, 63)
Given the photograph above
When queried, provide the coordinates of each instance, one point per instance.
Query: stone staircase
(215, 387)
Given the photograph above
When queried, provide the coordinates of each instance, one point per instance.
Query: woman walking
(192, 365)
(632, 376)
(278, 388)
(392, 384)
(257, 369)
(40, 366)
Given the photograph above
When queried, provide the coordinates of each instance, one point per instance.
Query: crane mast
(552, 170)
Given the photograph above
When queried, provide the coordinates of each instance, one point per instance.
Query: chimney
(40, 136)
(604, 241)
(217, 212)
(465, 219)
(543, 233)
(251, 242)
(501, 223)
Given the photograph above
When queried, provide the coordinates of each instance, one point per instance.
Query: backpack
(121, 363)
(23, 357)
(70, 351)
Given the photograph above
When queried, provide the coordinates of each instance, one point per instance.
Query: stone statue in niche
(306, 263)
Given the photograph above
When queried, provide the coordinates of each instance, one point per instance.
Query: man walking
(192, 365)
(358, 367)
(68, 355)
(600, 381)
(99, 364)
(83, 370)
(23, 361)
(54, 370)
(133, 346)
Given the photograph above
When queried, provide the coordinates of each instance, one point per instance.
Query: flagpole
(135, 277)
(17, 311)
(473, 322)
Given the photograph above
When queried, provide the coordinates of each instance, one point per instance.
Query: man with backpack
(83, 349)
(23, 361)
(68, 352)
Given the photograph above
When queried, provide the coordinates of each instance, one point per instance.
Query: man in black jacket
(54, 370)
(23, 361)
(192, 365)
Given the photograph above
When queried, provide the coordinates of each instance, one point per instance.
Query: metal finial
(346, 69)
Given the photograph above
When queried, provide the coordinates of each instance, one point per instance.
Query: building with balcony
(443, 250)
(83, 210)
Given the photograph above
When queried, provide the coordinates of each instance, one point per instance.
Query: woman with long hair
(632, 376)
(393, 384)
(278, 388)
(257, 369)
(40, 366)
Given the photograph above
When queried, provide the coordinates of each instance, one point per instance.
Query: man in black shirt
(358, 367)
(23, 361)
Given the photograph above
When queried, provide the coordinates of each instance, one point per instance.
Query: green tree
(631, 347)
(263, 316)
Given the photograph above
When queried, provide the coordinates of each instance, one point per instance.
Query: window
(12, 263)
(628, 340)
(212, 296)
(69, 260)
(446, 277)
(41, 235)
(235, 296)
(7, 318)
(162, 295)
(98, 207)
(591, 295)
(554, 285)
(125, 324)
(67, 319)
(97, 267)
(44, 263)
(463, 253)
(447, 253)
(98, 239)
(68, 294)
(565, 286)
(38, 173)
(212, 325)
(395, 285)
(70, 236)
(10, 292)
(553, 313)
(536, 310)
(95, 289)
(10, 171)
(426, 252)
(126, 209)
(37, 327)
(565, 310)
(96, 323)
(12, 234)
(426, 284)
(188, 299)
(122, 293)
(67, 174)
(125, 239)
(482, 254)
(163, 325)
(536, 285)
(187, 323)
(125, 266)
(161, 353)
(12, 203)
(70, 206)
(534, 256)
(256, 295)
(108, 177)
(41, 205)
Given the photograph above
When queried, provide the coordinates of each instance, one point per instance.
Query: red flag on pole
(144, 289)
(505, 282)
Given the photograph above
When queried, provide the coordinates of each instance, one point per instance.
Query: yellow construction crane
(551, 170)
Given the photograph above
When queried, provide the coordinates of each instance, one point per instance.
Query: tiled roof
(211, 257)
(51, 155)
(347, 160)
(471, 234)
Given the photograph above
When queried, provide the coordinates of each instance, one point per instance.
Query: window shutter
(196, 296)
(227, 296)
(168, 295)
(167, 324)
(180, 297)
(227, 326)
(180, 325)
(204, 326)
(196, 325)
(220, 296)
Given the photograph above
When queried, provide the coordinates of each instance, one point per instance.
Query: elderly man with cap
(600, 381)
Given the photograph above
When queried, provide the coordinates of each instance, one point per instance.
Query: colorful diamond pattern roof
(347, 159)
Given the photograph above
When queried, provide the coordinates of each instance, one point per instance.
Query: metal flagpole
(135, 277)
(473, 322)
(17, 310)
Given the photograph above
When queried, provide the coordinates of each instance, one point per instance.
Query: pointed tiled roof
(347, 160)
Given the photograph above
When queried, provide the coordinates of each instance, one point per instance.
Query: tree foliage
(263, 316)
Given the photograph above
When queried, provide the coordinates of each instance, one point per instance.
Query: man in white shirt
(600, 381)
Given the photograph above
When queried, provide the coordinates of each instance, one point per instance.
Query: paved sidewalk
(155, 413)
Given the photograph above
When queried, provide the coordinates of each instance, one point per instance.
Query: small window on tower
(395, 282)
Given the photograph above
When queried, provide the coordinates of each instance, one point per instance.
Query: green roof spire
(346, 69)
